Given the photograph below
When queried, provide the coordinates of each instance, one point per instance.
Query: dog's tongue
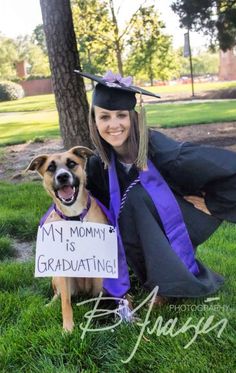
(66, 192)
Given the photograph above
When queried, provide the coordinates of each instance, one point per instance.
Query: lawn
(26, 123)
(32, 103)
(16, 128)
(175, 115)
(31, 339)
(47, 102)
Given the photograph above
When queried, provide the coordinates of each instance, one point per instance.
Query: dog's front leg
(67, 312)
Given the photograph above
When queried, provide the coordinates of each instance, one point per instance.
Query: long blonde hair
(136, 142)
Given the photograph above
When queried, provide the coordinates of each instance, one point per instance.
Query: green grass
(6, 248)
(21, 127)
(31, 338)
(22, 206)
(36, 116)
(47, 102)
(32, 103)
(16, 128)
(174, 115)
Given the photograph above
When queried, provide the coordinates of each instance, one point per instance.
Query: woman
(147, 184)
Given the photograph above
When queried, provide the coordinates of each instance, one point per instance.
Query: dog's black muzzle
(66, 187)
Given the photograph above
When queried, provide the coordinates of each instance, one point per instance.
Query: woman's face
(113, 126)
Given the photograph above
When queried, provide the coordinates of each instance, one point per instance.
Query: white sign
(76, 249)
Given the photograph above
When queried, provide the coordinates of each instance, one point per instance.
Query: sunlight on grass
(32, 103)
(173, 115)
(21, 127)
(47, 102)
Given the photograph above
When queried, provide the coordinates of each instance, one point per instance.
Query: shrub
(10, 91)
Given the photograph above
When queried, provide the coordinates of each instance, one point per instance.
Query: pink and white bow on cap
(116, 80)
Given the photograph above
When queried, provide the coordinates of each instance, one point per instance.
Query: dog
(64, 179)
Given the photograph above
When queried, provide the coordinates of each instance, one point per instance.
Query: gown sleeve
(201, 170)
(97, 180)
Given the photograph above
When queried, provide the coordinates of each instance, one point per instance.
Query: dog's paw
(68, 327)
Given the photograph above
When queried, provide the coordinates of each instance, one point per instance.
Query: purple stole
(116, 287)
(170, 215)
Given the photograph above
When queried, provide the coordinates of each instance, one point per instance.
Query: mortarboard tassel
(141, 162)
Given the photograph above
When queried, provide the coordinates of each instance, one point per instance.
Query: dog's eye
(51, 167)
(71, 164)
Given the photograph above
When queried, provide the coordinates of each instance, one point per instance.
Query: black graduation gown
(188, 169)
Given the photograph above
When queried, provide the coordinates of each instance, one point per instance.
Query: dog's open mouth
(67, 194)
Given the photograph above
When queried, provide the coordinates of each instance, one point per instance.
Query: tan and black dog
(64, 178)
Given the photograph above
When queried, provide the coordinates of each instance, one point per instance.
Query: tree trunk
(119, 58)
(118, 47)
(151, 77)
(150, 72)
(69, 89)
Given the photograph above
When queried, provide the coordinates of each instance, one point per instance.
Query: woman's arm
(203, 171)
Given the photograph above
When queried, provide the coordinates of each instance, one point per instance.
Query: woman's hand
(198, 202)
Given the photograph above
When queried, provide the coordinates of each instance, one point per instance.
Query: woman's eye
(104, 117)
(122, 115)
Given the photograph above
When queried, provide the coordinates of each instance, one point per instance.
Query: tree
(97, 32)
(19, 49)
(33, 54)
(38, 38)
(118, 38)
(92, 28)
(204, 62)
(38, 62)
(8, 57)
(216, 18)
(68, 87)
(101, 32)
(23, 44)
(150, 54)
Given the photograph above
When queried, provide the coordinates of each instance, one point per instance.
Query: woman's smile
(116, 133)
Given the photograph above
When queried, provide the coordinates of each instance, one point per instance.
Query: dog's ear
(37, 163)
(81, 151)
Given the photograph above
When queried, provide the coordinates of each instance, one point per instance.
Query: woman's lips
(117, 133)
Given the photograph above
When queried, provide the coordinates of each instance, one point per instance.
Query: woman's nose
(114, 122)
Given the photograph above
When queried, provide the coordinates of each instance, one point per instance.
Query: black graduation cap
(113, 92)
